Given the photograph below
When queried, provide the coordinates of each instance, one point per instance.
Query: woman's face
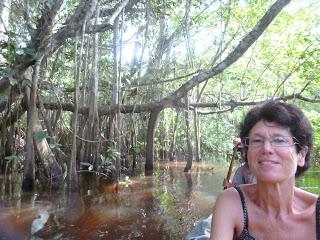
(272, 154)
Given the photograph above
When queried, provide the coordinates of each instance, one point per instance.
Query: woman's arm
(225, 214)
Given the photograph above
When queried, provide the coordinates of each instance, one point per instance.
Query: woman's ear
(302, 156)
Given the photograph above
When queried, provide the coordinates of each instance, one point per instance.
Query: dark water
(164, 206)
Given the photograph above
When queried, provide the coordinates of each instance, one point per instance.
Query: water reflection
(163, 206)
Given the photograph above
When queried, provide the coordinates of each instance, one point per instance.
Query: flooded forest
(117, 118)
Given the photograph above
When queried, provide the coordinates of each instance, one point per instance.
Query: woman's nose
(267, 144)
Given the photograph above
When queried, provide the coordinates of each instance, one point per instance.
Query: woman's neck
(275, 199)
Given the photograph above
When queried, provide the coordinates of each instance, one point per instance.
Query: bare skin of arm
(227, 216)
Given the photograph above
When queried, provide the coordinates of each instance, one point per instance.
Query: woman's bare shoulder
(229, 193)
(305, 197)
(226, 215)
(229, 200)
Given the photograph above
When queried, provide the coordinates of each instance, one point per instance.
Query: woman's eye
(256, 140)
(279, 140)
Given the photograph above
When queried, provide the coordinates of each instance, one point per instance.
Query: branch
(296, 67)
(164, 46)
(242, 47)
(116, 13)
(231, 105)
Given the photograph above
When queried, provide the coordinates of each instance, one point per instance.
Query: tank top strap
(244, 209)
(318, 218)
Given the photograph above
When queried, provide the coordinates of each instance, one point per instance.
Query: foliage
(139, 148)
(41, 135)
(112, 155)
(16, 159)
(310, 181)
(315, 121)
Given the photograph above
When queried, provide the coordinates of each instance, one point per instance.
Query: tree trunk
(29, 165)
(197, 134)
(172, 151)
(133, 150)
(81, 145)
(115, 119)
(50, 172)
(163, 136)
(73, 177)
(8, 148)
(188, 139)
(92, 129)
(152, 124)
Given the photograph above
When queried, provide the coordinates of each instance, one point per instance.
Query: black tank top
(245, 235)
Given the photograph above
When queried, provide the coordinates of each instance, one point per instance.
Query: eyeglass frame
(245, 141)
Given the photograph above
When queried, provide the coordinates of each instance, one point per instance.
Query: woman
(278, 140)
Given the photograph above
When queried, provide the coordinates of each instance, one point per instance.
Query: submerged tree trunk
(152, 124)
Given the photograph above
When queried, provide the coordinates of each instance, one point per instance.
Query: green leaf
(41, 135)
(12, 158)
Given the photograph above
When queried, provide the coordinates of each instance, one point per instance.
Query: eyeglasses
(276, 141)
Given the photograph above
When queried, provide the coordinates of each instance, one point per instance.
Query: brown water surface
(163, 206)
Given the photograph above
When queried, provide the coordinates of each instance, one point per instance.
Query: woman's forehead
(264, 126)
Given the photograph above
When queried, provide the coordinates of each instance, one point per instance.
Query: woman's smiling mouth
(268, 162)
